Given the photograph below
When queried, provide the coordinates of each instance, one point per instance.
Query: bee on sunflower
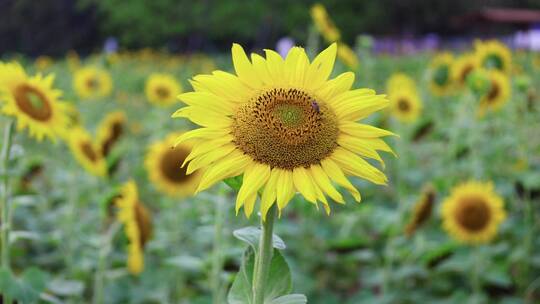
(324, 23)
(92, 82)
(33, 101)
(137, 225)
(440, 76)
(405, 105)
(162, 89)
(110, 130)
(463, 67)
(284, 126)
(498, 93)
(494, 55)
(86, 152)
(164, 166)
(473, 212)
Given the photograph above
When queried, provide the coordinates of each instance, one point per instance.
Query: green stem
(475, 276)
(105, 249)
(217, 256)
(264, 256)
(6, 218)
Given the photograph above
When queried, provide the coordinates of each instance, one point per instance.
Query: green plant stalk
(476, 270)
(264, 256)
(105, 249)
(6, 217)
(217, 256)
(6, 225)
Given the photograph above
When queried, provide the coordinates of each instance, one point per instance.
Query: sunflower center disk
(162, 92)
(474, 215)
(494, 61)
(403, 105)
(88, 151)
(285, 128)
(92, 83)
(171, 165)
(493, 91)
(33, 103)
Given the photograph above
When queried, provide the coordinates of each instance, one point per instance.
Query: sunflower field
(324, 173)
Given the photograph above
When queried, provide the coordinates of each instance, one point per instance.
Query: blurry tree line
(54, 26)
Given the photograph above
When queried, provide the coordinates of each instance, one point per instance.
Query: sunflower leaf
(251, 235)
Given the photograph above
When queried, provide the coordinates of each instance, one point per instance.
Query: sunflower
(494, 55)
(33, 101)
(324, 24)
(498, 94)
(92, 82)
(164, 165)
(405, 105)
(137, 225)
(463, 67)
(86, 152)
(43, 62)
(441, 74)
(162, 89)
(284, 126)
(422, 210)
(110, 130)
(347, 56)
(398, 82)
(472, 213)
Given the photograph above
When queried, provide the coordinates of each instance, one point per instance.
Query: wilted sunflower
(440, 80)
(347, 56)
(472, 213)
(137, 225)
(164, 166)
(162, 89)
(463, 67)
(110, 130)
(498, 94)
(92, 82)
(86, 152)
(284, 126)
(494, 55)
(33, 101)
(405, 105)
(324, 24)
(398, 82)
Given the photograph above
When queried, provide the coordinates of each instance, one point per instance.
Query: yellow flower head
(137, 225)
(405, 105)
(422, 210)
(92, 82)
(86, 152)
(43, 62)
(164, 166)
(473, 212)
(440, 80)
(463, 67)
(284, 126)
(162, 89)
(33, 101)
(498, 93)
(347, 56)
(398, 82)
(494, 55)
(324, 24)
(110, 130)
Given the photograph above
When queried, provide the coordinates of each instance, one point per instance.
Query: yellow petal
(243, 67)
(321, 67)
(208, 158)
(358, 145)
(285, 188)
(324, 182)
(363, 131)
(233, 165)
(259, 64)
(302, 183)
(354, 165)
(336, 86)
(255, 177)
(249, 205)
(205, 133)
(269, 193)
(208, 101)
(207, 146)
(275, 65)
(334, 172)
(203, 117)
